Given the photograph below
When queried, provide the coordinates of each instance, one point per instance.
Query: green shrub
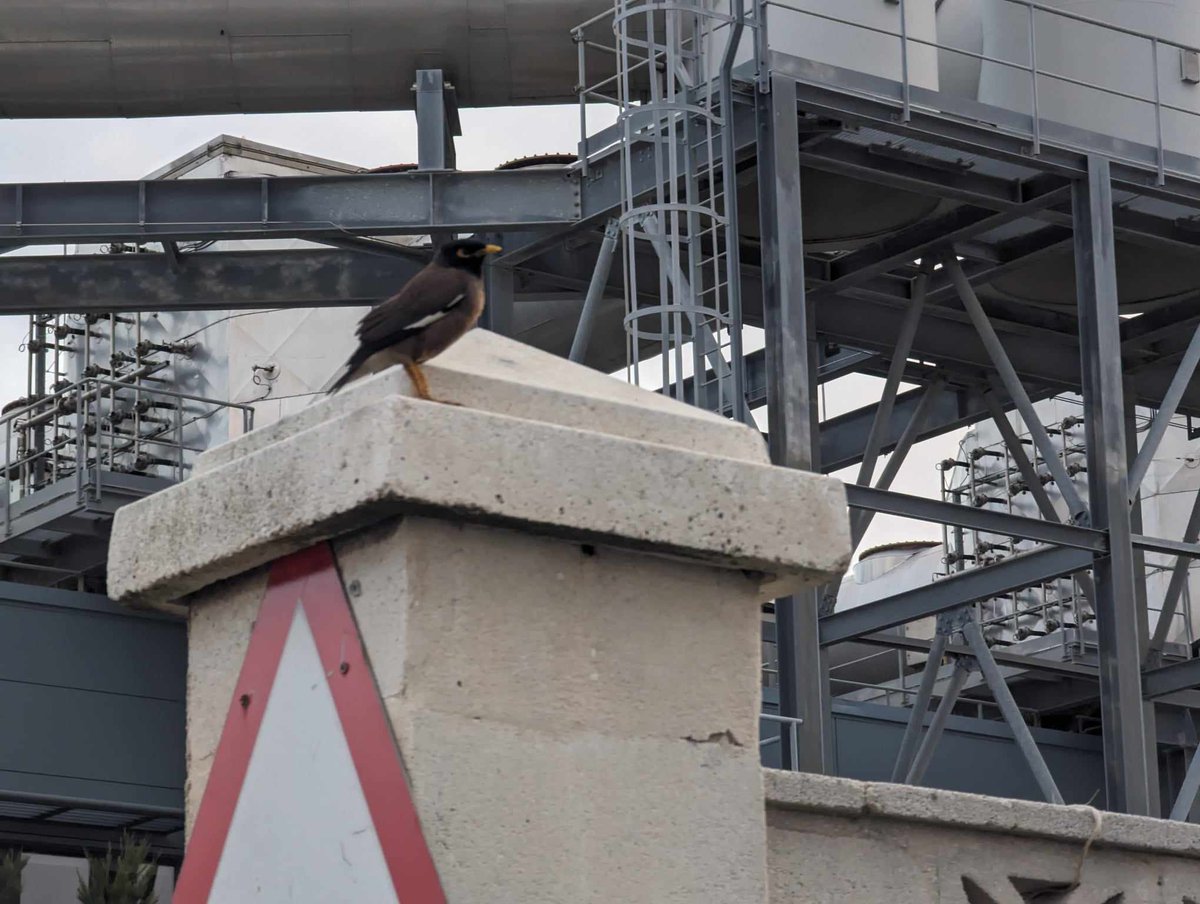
(126, 878)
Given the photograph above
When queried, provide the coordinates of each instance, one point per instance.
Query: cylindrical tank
(880, 572)
(1097, 56)
(62, 58)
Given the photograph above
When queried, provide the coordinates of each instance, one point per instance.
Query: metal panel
(98, 694)
(974, 755)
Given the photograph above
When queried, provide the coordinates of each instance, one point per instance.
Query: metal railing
(792, 726)
(672, 85)
(93, 408)
(1037, 73)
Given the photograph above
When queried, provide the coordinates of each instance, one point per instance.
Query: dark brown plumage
(432, 312)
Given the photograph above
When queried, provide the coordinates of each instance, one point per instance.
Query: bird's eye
(461, 253)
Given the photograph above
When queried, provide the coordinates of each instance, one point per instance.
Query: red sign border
(310, 579)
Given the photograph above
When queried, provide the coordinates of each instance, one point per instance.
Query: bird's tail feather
(347, 373)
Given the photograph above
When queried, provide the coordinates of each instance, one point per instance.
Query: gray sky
(76, 150)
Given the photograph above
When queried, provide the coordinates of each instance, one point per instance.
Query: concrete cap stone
(489, 372)
(977, 812)
(600, 470)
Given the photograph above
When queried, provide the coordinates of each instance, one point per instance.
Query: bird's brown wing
(428, 296)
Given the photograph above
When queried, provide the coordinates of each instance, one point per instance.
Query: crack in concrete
(717, 737)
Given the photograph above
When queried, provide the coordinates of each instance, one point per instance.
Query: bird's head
(468, 254)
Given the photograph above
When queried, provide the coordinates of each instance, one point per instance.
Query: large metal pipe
(61, 58)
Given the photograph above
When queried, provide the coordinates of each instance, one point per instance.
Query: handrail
(78, 396)
(1034, 70)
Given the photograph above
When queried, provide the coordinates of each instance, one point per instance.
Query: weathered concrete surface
(487, 372)
(577, 726)
(839, 840)
(401, 455)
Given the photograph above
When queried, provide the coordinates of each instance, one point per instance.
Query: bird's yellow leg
(420, 384)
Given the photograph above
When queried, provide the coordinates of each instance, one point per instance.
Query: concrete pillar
(558, 588)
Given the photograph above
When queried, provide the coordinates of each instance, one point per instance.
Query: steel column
(929, 743)
(1012, 383)
(435, 128)
(916, 719)
(1149, 711)
(1179, 576)
(1011, 712)
(1182, 808)
(1016, 451)
(860, 521)
(791, 399)
(1166, 411)
(498, 312)
(595, 292)
(1126, 767)
(899, 362)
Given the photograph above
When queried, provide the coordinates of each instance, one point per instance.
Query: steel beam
(855, 98)
(1179, 575)
(891, 386)
(1016, 660)
(1016, 451)
(1011, 712)
(924, 755)
(1126, 766)
(843, 437)
(203, 281)
(792, 358)
(1182, 808)
(959, 589)
(938, 512)
(498, 313)
(595, 292)
(860, 521)
(1014, 387)
(920, 708)
(1162, 419)
(292, 206)
(1168, 679)
(965, 222)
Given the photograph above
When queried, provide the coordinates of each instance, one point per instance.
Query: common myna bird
(433, 311)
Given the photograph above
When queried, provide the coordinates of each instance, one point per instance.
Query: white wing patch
(437, 315)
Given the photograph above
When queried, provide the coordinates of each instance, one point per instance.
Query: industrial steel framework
(1014, 187)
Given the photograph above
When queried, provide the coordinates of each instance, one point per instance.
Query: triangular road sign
(307, 799)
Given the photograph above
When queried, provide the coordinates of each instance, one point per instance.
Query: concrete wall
(838, 840)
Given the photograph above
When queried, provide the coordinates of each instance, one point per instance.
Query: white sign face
(301, 830)
(307, 801)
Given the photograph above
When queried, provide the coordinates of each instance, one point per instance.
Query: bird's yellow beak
(492, 249)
